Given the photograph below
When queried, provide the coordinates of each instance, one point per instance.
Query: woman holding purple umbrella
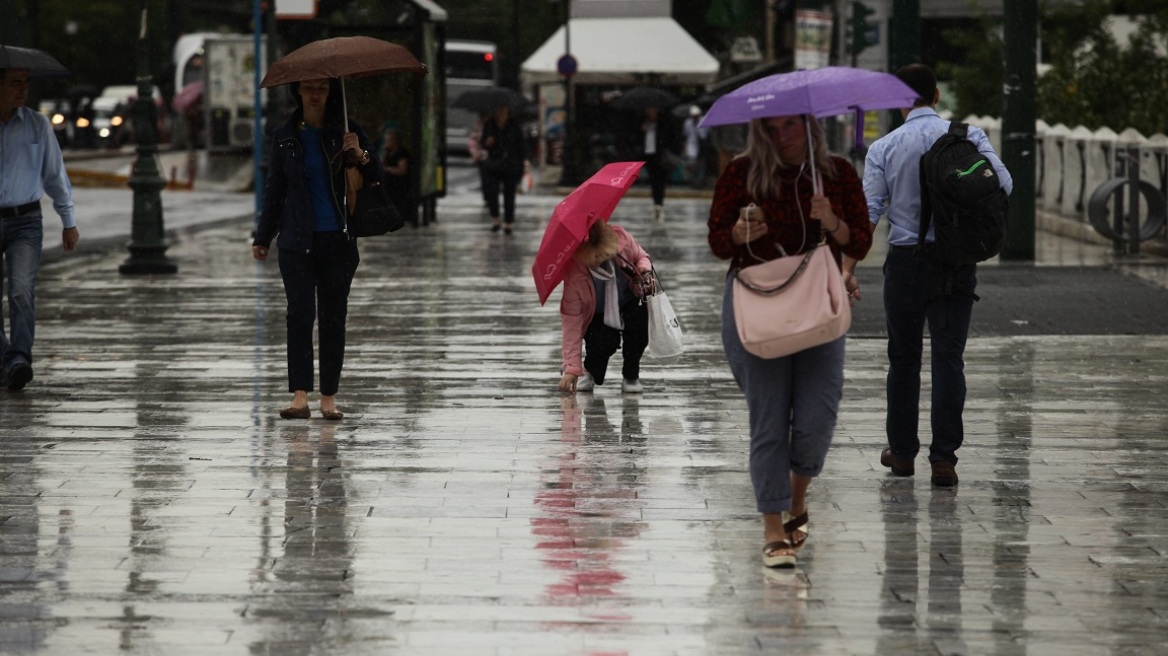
(768, 203)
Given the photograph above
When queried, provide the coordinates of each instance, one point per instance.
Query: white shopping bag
(664, 328)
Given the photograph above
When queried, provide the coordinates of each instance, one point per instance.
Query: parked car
(59, 111)
(113, 116)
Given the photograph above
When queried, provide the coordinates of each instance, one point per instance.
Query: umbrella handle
(344, 105)
(807, 118)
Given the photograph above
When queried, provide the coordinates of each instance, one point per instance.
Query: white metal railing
(1071, 163)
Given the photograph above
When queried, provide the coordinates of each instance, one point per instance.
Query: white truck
(225, 64)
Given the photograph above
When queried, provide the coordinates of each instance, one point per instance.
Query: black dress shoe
(18, 376)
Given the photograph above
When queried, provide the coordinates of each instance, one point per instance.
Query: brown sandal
(771, 559)
(332, 415)
(796, 529)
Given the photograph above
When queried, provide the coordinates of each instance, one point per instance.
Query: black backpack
(962, 195)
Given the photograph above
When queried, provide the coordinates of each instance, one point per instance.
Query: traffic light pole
(1018, 117)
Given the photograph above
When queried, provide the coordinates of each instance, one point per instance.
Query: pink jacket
(578, 304)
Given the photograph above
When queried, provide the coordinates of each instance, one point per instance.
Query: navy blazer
(287, 209)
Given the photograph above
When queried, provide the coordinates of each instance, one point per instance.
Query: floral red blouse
(784, 223)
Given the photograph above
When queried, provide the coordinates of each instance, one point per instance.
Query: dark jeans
(508, 180)
(658, 176)
(601, 341)
(317, 286)
(913, 294)
(21, 239)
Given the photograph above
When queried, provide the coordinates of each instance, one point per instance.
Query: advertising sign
(812, 39)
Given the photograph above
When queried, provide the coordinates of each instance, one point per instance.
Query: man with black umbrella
(30, 166)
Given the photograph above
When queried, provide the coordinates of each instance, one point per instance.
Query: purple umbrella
(819, 92)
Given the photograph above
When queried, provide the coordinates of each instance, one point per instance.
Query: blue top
(316, 164)
(892, 179)
(31, 165)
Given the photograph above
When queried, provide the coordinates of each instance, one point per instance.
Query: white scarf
(612, 316)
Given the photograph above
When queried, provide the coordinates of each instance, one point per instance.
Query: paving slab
(151, 501)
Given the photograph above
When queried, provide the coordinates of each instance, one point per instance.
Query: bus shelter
(413, 105)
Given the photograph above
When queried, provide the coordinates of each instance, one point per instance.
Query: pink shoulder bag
(791, 303)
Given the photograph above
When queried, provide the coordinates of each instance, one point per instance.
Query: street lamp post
(147, 245)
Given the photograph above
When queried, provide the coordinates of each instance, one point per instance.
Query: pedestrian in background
(312, 162)
(793, 400)
(395, 160)
(602, 309)
(478, 155)
(655, 140)
(917, 289)
(502, 138)
(695, 139)
(31, 166)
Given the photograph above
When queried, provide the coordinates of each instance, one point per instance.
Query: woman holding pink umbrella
(602, 309)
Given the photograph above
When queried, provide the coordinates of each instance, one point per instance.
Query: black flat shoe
(507, 229)
(496, 227)
(18, 376)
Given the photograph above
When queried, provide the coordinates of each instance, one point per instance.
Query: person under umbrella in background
(31, 165)
(655, 139)
(317, 258)
(502, 138)
(695, 145)
(602, 309)
(793, 400)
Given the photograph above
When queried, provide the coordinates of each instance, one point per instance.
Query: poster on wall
(812, 39)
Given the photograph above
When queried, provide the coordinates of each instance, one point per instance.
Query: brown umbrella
(341, 57)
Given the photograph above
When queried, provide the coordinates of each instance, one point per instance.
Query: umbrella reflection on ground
(588, 514)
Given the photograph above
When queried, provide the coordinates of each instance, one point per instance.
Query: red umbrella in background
(590, 202)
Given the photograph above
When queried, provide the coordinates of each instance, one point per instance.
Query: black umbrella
(37, 62)
(487, 99)
(642, 98)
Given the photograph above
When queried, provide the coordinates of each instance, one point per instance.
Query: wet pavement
(152, 502)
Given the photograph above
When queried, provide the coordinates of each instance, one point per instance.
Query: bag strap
(926, 208)
(961, 131)
(764, 291)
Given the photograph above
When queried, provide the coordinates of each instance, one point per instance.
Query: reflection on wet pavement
(152, 502)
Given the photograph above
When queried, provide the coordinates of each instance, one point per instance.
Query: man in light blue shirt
(30, 166)
(917, 288)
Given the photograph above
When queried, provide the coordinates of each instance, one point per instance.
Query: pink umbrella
(187, 97)
(590, 202)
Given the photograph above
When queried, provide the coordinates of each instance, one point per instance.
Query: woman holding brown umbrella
(312, 162)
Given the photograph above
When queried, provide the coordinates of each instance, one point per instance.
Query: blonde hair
(765, 162)
(602, 239)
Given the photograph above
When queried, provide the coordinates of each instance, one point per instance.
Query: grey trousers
(793, 401)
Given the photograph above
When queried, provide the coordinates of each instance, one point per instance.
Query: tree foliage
(975, 83)
(1096, 81)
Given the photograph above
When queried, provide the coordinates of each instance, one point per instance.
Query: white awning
(624, 51)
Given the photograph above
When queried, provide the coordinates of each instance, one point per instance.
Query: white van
(111, 119)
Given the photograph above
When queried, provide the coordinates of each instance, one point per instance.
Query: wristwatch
(364, 157)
